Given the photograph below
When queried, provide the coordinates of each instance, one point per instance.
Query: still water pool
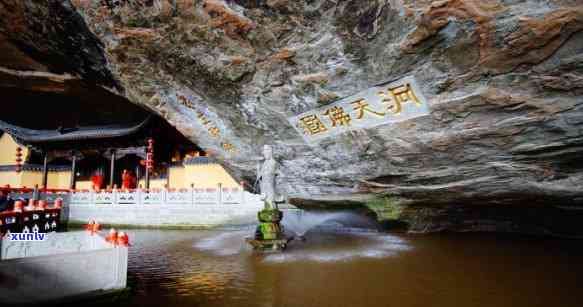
(215, 268)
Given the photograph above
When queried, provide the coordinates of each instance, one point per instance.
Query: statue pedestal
(269, 235)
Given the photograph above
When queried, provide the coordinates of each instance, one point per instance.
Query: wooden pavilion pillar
(73, 170)
(137, 175)
(45, 170)
(147, 177)
(112, 168)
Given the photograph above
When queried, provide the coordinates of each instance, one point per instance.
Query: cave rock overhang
(56, 115)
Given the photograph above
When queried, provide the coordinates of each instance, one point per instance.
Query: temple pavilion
(81, 142)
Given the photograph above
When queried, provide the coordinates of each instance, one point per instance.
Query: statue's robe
(267, 186)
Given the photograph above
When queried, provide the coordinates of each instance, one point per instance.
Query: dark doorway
(130, 162)
(93, 165)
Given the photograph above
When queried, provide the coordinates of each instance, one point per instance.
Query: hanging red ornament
(18, 159)
(150, 154)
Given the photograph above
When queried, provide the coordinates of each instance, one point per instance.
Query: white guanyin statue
(266, 175)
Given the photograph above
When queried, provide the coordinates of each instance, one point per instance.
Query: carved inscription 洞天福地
(384, 104)
(212, 129)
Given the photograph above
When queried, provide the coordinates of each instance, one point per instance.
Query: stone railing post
(138, 196)
(242, 191)
(164, 196)
(192, 194)
(114, 195)
(220, 195)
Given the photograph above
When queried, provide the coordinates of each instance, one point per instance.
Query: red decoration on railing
(18, 206)
(93, 227)
(31, 205)
(18, 159)
(123, 239)
(42, 204)
(112, 236)
(8, 189)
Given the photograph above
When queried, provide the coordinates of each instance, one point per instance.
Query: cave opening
(96, 126)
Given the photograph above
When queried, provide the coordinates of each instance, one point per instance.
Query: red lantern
(93, 227)
(150, 154)
(123, 239)
(112, 236)
(18, 159)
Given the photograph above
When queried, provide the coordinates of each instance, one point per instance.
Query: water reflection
(214, 268)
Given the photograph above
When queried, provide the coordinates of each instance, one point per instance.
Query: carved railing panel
(152, 197)
(186, 197)
(206, 196)
(231, 196)
(82, 197)
(104, 198)
(127, 197)
(179, 197)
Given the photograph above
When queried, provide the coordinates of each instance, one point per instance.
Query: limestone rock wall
(503, 79)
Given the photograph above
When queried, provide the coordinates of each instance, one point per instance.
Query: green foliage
(386, 208)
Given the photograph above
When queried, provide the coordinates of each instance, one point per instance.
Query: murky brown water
(198, 268)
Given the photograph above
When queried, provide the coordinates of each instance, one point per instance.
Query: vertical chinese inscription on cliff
(208, 124)
(384, 104)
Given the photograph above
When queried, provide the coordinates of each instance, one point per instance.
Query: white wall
(164, 214)
(78, 266)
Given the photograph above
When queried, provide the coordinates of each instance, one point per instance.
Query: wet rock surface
(503, 80)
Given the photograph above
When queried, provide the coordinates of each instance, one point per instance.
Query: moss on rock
(386, 208)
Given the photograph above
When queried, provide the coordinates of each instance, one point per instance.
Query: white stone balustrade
(216, 196)
(185, 207)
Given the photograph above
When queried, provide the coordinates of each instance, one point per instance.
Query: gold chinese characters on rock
(212, 129)
(385, 104)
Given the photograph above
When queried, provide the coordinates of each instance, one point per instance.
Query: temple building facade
(187, 166)
(95, 139)
(31, 174)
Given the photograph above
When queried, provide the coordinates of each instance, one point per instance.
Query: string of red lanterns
(150, 155)
(18, 159)
(149, 161)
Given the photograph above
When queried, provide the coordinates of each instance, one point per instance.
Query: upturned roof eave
(37, 137)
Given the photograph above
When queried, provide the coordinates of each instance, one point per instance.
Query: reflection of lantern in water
(18, 159)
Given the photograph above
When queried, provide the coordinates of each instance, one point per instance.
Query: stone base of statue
(269, 235)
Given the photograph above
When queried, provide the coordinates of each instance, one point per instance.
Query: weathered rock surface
(504, 81)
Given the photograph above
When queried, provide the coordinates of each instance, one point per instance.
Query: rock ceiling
(503, 81)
